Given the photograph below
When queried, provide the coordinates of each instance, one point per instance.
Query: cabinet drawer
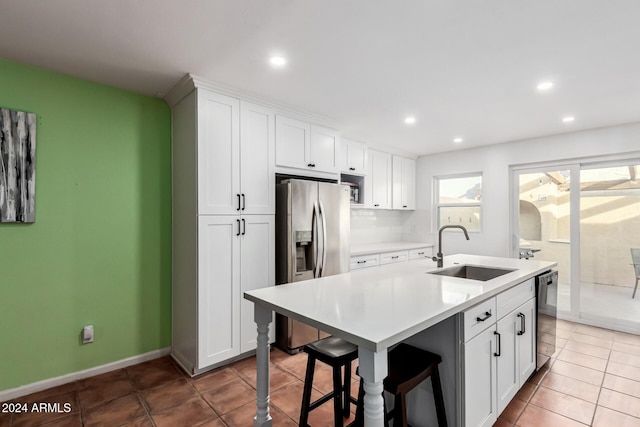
(513, 298)
(391, 257)
(478, 318)
(419, 253)
(365, 261)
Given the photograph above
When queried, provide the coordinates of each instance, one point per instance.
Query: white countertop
(378, 307)
(377, 248)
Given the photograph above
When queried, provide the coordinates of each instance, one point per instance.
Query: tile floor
(593, 379)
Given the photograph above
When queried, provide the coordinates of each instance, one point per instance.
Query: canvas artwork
(17, 166)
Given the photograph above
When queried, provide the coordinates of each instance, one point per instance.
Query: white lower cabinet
(364, 261)
(377, 259)
(391, 257)
(499, 354)
(479, 380)
(517, 352)
(235, 254)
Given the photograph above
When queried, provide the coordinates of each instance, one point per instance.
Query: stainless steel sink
(472, 272)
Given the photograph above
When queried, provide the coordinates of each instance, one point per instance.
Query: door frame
(574, 222)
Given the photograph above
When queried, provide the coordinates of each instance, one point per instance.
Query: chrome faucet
(438, 257)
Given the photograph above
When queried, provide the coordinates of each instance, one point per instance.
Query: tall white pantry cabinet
(223, 224)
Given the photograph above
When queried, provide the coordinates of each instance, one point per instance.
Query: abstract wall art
(17, 166)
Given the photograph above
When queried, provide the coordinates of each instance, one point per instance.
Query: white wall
(494, 162)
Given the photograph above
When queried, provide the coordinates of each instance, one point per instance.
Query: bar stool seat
(408, 366)
(336, 353)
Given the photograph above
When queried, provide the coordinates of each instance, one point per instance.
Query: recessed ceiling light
(410, 120)
(568, 119)
(457, 140)
(278, 61)
(544, 86)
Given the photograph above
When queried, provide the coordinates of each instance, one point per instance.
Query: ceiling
(463, 68)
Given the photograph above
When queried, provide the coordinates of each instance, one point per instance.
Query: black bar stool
(336, 353)
(408, 366)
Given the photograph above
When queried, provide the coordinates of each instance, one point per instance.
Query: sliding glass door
(585, 217)
(609, 229)
(543, 222)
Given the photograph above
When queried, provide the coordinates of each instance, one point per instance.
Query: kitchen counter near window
(377, 254)
(377, 248)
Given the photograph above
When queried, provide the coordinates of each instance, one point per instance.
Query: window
(459, 201)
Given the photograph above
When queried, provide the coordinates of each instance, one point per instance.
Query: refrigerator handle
(324, 239)
(314, 236)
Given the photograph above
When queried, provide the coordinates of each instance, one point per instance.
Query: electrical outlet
(87, 334)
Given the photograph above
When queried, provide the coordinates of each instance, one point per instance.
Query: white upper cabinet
(303, 146)
(218, 153)
(293, 142)
(257, 155)
(235, 156)
(378, 180)
(325, 149)
(404, 183)
(353, 157)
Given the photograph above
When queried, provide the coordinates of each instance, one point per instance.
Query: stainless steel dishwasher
(547, 310)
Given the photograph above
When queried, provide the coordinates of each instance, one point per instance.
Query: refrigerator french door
(312, 240)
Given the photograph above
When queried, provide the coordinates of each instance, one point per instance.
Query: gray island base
(379, 307)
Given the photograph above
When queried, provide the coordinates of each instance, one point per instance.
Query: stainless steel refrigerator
(312, 240)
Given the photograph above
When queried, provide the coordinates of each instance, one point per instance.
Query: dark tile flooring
(593, 380)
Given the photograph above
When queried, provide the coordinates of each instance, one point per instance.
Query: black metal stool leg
(306, 395)
(337, 398)
(346, 391)
(437, 393)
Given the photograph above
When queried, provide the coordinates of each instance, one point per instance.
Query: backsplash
(373, 225)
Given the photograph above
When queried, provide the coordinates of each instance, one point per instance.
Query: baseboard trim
(74, 376)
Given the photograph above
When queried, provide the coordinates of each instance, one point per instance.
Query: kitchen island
(378, 308)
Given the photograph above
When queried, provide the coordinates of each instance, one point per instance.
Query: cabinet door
(479, 380)
(357, 157)
(292, 143)
(354, 159)
(527, 340)
(403, 183)
(257, 154)
(379, 179)
(257, 254)
(343, 158)
(218, 153)
(218, 289)
(508, 382)
(325, 149)
(409, 184)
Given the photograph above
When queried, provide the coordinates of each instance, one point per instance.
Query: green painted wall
(100, 250)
